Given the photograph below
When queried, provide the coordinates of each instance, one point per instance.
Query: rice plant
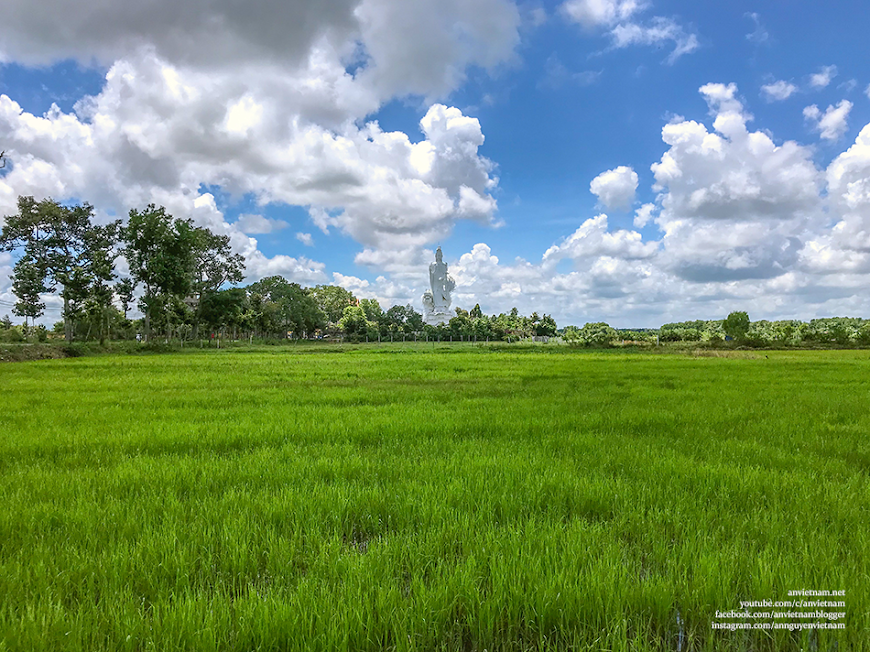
(422, 497)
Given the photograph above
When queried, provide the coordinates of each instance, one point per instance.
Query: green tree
(592, 334)
(413, 320)
(223, 308)
(546, 327)
(460, 326)
(293, 309)
(403, 319)
(261, 315)
(736, 325)
(98, 271)
(332, 300)
(124, 289)
(373, 310)
(353, 322)
(63, 245)
(28, 282)
(214, 265)
(161, 252)
(395, 318)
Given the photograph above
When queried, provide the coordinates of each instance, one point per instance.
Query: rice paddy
(430, 498)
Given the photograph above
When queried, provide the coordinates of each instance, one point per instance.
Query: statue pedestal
(437, 318)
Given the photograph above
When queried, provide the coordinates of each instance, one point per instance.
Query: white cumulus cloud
(615, 188)
(734, 203)
(618, 17)
(831, 124)
(595, 13)
(270, 101)
(256, 224)
(778, 91)
(823, 77)
(594, 239)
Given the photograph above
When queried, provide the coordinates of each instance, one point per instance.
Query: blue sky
(261, 128)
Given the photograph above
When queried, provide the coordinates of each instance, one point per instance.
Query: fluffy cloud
(734, 203)
(824, 77)
(595, 13)
(157, 130)
(615, 188)
(420, 48)
(643, 215)
(593, 239)
(744, 222)
(300, 270)
(425, 47)
(386, 291)
(846, 248)
(831, 124)
(616, 16)
(270, 102)
(256, 224)
(602, 285)
(277, 108)
(657, 33)
(199, 31)
(778, 91)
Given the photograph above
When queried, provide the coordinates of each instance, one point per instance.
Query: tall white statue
(436, 302)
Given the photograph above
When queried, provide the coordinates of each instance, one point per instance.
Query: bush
(14, 334)
(736, 325)
(592, 334)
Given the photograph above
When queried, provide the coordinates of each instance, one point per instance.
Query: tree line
(181, 276)
(736, 329)
(64, 249)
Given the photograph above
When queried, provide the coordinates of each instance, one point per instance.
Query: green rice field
(431, 498)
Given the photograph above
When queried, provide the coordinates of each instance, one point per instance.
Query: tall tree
(124, 289)
(546, 327)
(295, 308)
(214, 265)
(161, 252)
(28, 282)
(332, 300)
(354, 322)
(98, 271)
(222, 308)
(373, 310)
(63, 244)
